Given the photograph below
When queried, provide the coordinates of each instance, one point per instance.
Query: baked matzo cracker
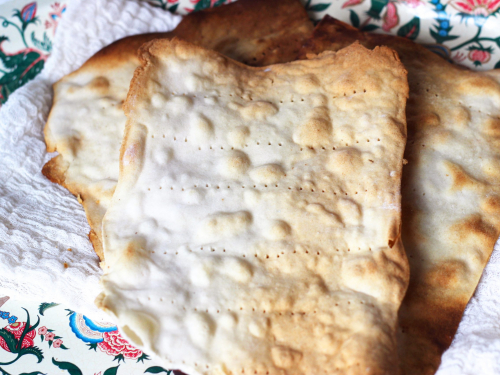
(255, 227)
(86, 121)
(451, 191)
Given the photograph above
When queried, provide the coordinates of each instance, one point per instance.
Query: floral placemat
(46, 338)
(25, 41)
(466, 32)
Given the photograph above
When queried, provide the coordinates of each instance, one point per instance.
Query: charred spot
(100, 84)
(461, 179)
(97, 244)
(475, 228)
(55, 170)
(431, 319)
(491, 204)
(426, 120)
(491, 127)
(447, 274)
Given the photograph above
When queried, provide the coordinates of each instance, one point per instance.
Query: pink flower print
(55, 16)
(57, 343)
(28, 12)
(479, 56)
(42, 330)
(115, 344)
(391, 18)
(476, 7)
(412, 3)
(459, 57)
(350, 3)
(50, 336)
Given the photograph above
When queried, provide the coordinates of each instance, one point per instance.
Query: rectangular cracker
(451, 195)
(86, 121)
(255, 227)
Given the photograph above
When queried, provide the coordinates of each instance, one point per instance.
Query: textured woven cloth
(476, 346)
(40, 221)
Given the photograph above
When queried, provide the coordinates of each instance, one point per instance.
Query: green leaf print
(111, 371)
(37, 352)
(46, 305)
(68, 366)
(411, 29)
(157, 370)
(354, 18)
(318, 7)
(10, 340)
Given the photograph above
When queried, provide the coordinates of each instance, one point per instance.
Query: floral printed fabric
(83, 347)
(114, 344)
(466, 32)
(25, 41)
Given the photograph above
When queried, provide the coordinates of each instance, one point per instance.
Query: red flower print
(459, 57)
(476, 7)
(57, 343)
(479, 56)
(412, 3)
(114, 344)
(28, 12)
(42, 330)
(50, 336)
(391, 18)
(350, 3)
(17, 330)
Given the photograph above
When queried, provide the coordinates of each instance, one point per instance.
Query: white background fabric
(476, 347)
(40, 221)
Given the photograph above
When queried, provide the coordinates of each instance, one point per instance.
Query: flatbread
(86, 121)
(451, 191)
(255, 227)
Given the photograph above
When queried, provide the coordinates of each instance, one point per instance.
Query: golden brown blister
(255, 227)
(451, 196)
(86, 122)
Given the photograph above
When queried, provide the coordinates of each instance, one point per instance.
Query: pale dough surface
(86, 121)
(255, 227)
(451, 191)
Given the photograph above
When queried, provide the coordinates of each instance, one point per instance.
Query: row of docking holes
(258, 143)
(292, 100)
(212, 250)
(301, 313)
(255, 186)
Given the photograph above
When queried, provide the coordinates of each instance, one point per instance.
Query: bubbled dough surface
(86, 122)
(86, 127)
(250, 226)
(451, 201)
(451, 191)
